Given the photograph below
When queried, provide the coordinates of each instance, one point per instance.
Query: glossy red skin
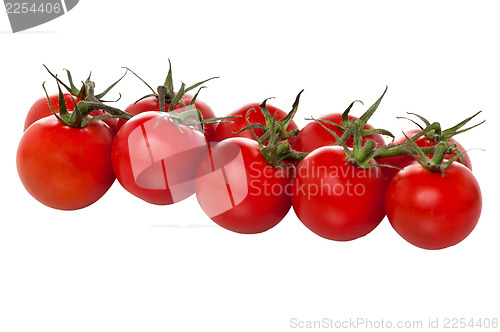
(225, 130)
(151, 104)
(41, 109)
(314, 136)
(337, 200)
(65, 168)
(432, 211)
(171, 159)
(242, 204)
(403, 161)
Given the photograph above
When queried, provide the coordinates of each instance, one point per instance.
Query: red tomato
(238, 189)
(314, 136)
(226, 129)
(433, 211)
(65, 168)
(423, 141)
(41, 108)
(152, 104)
(335, 199)
(156, 161)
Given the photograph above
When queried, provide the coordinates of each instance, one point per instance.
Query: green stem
(363, 153)
(402, 151)
(440, 153)
(87, 107)
(296, 156)
(89, 91)
(92, 103)
(282, 148)
(288, 134)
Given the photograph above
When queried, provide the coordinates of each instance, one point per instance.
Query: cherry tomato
(314, 136)
(152, 104)
(155, 160)
(335, 199)
(239, 190)
(433, 211)
(65, 168)
(226, 129)
(423, 141)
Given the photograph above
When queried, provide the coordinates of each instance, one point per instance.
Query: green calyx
(348, 125)
(436, 134)
(361, 153)
(73, 119)
(79, 118)
(190, 116)
(444, 146)
(273, 143)
(82, 92)
(280, 126)
(165, 94)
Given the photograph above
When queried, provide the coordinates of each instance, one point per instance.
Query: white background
(124, 265)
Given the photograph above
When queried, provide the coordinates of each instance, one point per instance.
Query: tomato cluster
(249, 168)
